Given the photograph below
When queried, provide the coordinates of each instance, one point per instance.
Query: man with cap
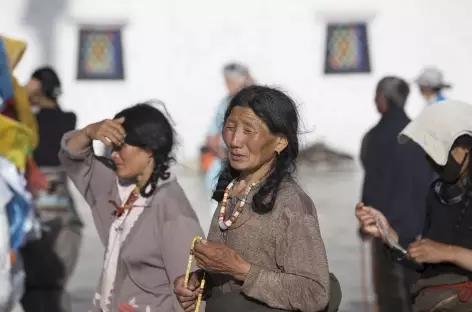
(431, 84)
(50, 262)
(443, 247)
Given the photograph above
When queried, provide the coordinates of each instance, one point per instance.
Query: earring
(277, 153)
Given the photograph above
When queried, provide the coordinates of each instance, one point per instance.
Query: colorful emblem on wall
(100, 54)
(347, 49)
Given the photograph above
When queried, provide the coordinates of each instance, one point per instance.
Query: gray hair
(237, 69)
(395, 90)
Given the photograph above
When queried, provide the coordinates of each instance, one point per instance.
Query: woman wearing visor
(442, 253)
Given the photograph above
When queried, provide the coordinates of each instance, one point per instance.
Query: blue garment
(17, 211)
(439, 97)
(216, 127)
(6, 84)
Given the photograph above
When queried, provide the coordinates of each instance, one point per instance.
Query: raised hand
(109, 132)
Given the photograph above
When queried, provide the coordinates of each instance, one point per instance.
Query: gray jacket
(157, 248)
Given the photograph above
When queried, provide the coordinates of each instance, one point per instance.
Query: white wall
(175, 50)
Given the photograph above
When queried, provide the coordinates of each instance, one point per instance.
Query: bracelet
(187, 274)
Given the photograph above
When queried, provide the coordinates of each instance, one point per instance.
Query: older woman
(264, 250)
(442, 252)
(141, 213)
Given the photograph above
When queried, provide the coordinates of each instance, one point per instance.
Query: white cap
(432, 77)
(438, 126)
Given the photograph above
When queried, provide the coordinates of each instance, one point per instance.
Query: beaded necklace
(187, 274)
(225, 224)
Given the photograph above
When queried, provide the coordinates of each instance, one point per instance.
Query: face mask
(451, 172)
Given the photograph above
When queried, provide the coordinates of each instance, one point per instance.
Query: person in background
(50, 261)
(443, 253)
(431, 84)
(236, 77)
(396, 182)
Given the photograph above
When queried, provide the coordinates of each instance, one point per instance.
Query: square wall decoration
(100, 54)
(347, 49)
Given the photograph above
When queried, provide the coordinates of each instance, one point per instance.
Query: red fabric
(35, 179)
(464, 290)
(124, 307)
(9, 109)
(119, 210)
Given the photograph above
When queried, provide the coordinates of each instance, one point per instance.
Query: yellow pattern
(16, 141)
(15, 50)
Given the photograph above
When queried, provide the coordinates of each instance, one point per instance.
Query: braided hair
(148, 128)
(279, 112)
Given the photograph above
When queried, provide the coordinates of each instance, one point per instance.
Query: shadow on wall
(42, 17)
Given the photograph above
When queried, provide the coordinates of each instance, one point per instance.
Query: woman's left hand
(428, 251)
(219, 258)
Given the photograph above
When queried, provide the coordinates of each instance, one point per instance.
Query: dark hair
(50, 83)
(395, 90)
(436, 90)
(148, 128)
(279, 113)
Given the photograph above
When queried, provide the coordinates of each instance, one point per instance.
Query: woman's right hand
(109, 132)
(187, 297)
(368, 218)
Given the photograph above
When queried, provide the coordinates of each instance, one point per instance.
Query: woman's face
(249, 141)
(132, 162)
(33, 88)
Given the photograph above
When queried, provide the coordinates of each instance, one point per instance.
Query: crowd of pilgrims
(263, 250)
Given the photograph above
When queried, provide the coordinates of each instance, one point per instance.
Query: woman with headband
(140, 211)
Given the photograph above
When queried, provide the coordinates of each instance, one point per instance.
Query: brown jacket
(289, 267)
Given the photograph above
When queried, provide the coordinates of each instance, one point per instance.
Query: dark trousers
(49, 263)
(50, 300)
(392, 281)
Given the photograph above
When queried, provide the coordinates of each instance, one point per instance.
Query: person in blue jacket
(431, 84)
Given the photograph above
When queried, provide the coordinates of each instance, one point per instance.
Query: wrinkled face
(33, 88)
(249, 141)
(131, 161)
